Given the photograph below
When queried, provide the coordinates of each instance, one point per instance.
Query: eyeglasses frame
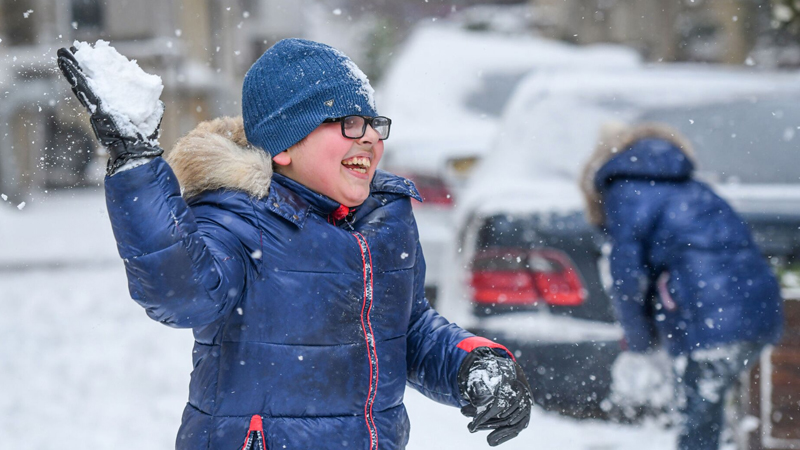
(367, 121)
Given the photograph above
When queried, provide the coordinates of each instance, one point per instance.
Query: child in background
(717, 304)
(303, 286)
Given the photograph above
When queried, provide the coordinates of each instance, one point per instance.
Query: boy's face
(332, 165)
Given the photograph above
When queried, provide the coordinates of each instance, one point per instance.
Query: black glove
(498, 392)
(122, 144)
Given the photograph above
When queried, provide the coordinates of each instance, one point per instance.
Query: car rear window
(493, 92)
(742, 141)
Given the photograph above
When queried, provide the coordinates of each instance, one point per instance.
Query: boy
(718, 302)
(304, 287)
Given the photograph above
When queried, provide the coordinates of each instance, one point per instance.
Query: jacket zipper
(369, 338)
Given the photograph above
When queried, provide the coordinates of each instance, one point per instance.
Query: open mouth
(357, 164)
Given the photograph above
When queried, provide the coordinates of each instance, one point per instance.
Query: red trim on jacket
(470, 344)
(369, 338)
(374, 348)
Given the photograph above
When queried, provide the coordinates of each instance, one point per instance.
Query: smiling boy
(303, 287)
(338, 160)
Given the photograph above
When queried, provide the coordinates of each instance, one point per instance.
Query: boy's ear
(282, 159)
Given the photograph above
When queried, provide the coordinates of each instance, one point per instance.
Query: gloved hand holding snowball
(498, 392)
(121, 98)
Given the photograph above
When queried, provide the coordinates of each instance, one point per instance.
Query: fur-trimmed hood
(615, 138)
(216, 155)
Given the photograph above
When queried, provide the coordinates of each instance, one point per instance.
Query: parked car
(445, 91)
(527, 268)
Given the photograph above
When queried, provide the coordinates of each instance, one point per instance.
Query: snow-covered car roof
(447, 86)
(550, 125)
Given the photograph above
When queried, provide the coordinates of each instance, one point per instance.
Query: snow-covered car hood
(428, 87)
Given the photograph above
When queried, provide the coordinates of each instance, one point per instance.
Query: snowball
(490, 376)
(128, 93)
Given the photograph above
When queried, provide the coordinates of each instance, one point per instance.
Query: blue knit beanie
(294, 86)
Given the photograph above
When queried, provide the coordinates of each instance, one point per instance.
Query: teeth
(362, 162)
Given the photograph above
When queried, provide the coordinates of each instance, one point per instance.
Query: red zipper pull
(255, 435)
(341, 212)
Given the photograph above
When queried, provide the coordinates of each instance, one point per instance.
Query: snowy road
(81, 365)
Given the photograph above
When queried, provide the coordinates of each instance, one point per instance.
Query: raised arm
(185, 271)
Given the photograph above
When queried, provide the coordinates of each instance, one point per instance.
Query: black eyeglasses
(355, 127)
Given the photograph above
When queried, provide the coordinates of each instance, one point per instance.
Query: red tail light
(518, 277)
(512, 288)
(556, 278)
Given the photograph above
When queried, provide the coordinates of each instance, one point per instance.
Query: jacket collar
(294, 201)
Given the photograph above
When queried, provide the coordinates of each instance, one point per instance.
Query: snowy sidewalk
(83, 366)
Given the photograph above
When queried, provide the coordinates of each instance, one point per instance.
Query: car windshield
(740, 142)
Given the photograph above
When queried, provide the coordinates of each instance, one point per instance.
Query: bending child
(717, 304)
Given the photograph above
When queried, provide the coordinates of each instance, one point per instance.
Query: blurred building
(200, 48)
(719, 31)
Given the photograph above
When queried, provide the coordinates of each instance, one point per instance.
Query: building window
(87, 14)
(18, 23)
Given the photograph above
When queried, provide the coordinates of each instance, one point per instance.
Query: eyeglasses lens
(381, 126)
(353, 126)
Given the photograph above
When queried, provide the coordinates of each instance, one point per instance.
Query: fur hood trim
(216, 155)
(615, 138)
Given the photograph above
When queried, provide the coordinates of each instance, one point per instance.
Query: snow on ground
(83, 366)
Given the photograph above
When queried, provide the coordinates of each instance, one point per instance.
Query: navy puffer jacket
(675, 240)
(307, 325)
